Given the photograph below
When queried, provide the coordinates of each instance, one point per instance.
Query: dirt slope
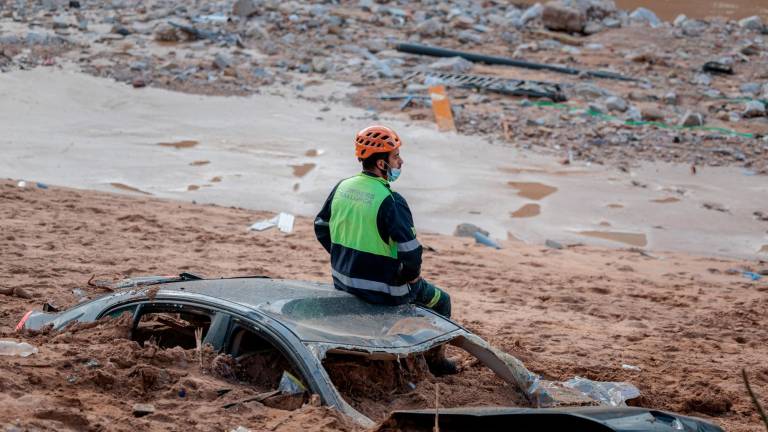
(688, 322)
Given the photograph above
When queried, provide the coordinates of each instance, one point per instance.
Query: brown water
(615, 206)
(668, 10)
(179, 144)
(200, 163)
(532, 190)
(303, 169)
(621, 237)
(125, 187)
(667, 200)
(528, 210)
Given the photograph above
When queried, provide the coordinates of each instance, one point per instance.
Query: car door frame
(276, 333)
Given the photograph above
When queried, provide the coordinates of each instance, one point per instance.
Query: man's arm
(322, 222)
(396, 222)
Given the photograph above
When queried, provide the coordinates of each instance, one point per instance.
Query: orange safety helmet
(375, 139)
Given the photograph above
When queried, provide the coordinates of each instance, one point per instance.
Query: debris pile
(246, 46)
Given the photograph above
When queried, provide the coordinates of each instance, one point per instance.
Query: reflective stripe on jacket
(368, 230)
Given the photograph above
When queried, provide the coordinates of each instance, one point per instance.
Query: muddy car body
(304, 321)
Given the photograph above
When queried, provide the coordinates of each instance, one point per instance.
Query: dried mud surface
(688, 322)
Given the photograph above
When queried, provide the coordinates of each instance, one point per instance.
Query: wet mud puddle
(532, 190)
(303, 169)
(528, 210)
(179, 144)
(125, 187)
(667, 200)
(633, 239)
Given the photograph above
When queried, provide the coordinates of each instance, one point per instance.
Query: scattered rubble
(247, 46)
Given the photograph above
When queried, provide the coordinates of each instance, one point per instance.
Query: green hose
(594, 113)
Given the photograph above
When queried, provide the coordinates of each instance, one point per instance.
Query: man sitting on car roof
(368, 230)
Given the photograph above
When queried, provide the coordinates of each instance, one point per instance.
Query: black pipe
(480, 58)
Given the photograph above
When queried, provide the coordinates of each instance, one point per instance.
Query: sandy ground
(689, 322)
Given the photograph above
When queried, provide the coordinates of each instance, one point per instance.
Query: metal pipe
(481, 58)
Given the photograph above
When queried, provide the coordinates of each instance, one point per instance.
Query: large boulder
(557, 16)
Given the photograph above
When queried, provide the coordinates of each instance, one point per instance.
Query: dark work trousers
(425, 294)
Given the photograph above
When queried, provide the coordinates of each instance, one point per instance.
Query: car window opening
(375, 387)
(253, 360)
(171, 329)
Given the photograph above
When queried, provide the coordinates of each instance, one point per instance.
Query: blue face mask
(392, 173)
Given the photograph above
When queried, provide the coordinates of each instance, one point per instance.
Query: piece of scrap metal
(513, 87)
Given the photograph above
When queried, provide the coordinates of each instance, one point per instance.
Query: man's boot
(438, 363)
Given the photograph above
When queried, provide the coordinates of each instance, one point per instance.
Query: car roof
(319, 313)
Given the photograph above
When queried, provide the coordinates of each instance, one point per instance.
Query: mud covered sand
(688, 322)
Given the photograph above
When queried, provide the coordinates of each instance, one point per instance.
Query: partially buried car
(298, 325)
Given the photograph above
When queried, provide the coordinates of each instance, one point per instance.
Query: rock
(671, 98)
(470, 36)
(166, 33)
(245, 8)
(702, 79)
(138, 82)
(320, 64)
(592, 28)
(752, 23)
(750, 49)
(643, 15)
(469, 230)
(722, 65)
(430, 28)
(612, 23)
(452, 64)
(754, 109)
(74, 4)
(615, 103)
(751, 88)
(559, 17)
(531, 14)
(60, 21)
(121, 30)
(679, 20)
(652, 114)
(512, 38)
(376, 45)
(138, 66)
(22, 293)
(140, 409)
(764, 94)
(553, 244)
(590, 91)
(694, 28)
(256, 30)
(634, 114)
(222, 61)
(692, 119)
(463, 22)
